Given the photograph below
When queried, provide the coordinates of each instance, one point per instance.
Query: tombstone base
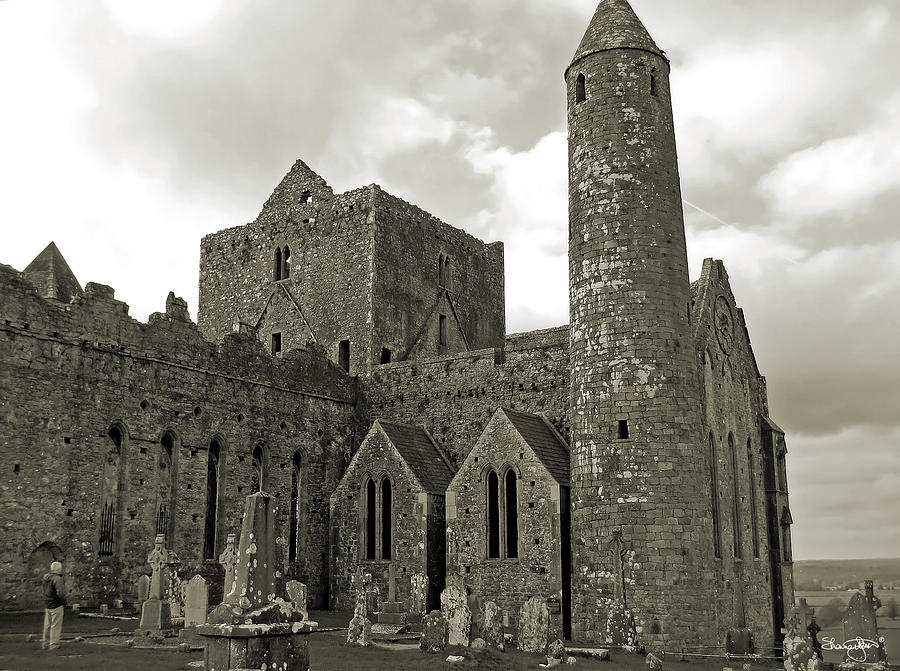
(255, 646)
(156, 616)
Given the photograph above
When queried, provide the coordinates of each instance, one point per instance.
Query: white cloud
(841, 175)
(163, 19)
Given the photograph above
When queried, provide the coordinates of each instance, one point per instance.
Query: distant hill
(820, 574)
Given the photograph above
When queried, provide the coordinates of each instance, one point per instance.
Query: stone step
(392, 618)
(392, 607)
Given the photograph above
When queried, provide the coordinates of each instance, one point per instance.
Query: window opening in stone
(754, 521)
(386, 508)
(623, 429)
(305, 197)
(296, 516)
(580, 93)
(654, 89)
(493, 521)
(444, 275)
(276, 343)
(736, 502)
(110, 495)
(344, 355)
(442, 330)
(370, 519)
(165, 484)
(714, 494)
(277, 264)
(286, 263)
(385, 355)
(512, 515)
(259, 470)
(212, 500)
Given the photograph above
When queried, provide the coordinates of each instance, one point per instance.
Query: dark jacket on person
(54, 597)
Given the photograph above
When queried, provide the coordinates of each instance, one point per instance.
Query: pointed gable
(544, 441)
(52, 276)
(430, 466)
(615, 26)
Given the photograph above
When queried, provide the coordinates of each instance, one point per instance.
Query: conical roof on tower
(52, 276)
(614, 26)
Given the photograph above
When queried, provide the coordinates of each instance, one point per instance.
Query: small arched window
(286, 263)
(166, 478)
(493, 515)
(370, 518)
(714, 493)
(736, 508)
(654, 85)
(511, 499)
(259, 474)
(296, 516)
(386, 509)
(580, 88)
(277, 264)
(213, 458)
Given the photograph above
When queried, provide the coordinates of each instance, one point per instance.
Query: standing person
(54, 605)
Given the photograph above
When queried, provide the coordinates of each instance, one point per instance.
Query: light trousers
(53, 618)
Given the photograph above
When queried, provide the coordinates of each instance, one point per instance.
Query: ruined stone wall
(632, 358)
(537, 571)
(455, 396)
(377, 458)
(71, 372)
(327, 296)
(734, 398)
(409, 291)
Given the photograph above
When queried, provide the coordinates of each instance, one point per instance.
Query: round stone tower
(640, 508)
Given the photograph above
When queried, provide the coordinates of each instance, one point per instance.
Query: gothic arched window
(580, 88)
(213, 488)
(277, 263)
(296, 517)
(112, 493)
(714, 494)
(286, 263)
(736, 507)
(387, 506)
(511, 499)
(260, 476)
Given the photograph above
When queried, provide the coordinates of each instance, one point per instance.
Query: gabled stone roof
(430, 466)
(544, 442)
(615, 26)
(52, 276)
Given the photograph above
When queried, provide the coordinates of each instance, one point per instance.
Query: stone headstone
(654, 663)
(620, 626)
(459, 617)
(196, 601)
(456, 580)
(799, 655)
(373, 598)
(156, 611)
(359, 632)
(175, 591)
(492, 626)
(534, 625)
(104, 609)
(860, 622)
(418, 593)
(556, 653)
(228, 559)
(813, 629)
(296, 592)
(435, 632)
(254, 575)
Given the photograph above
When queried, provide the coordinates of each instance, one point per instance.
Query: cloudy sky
(130, 128)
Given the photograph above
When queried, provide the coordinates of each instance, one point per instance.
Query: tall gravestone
(156, 613)
(296, 592)
(459, 617)
(228, 559)
(534, 625)
(860, 622)
(196, 601)
(492, 626)
(418, 596)
(143, 591)
(252, 628)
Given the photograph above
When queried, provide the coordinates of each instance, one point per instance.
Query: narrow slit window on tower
(580, 92)
(623, 429)
(305, 197)
(385, 355)
(344, 355)
(277, 264)
(654, 86)
(442, 330)
(286, 263)
(276, 343)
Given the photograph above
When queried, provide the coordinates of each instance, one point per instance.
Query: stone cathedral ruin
(351, 360)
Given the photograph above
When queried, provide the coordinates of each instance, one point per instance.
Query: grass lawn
(327, 651)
